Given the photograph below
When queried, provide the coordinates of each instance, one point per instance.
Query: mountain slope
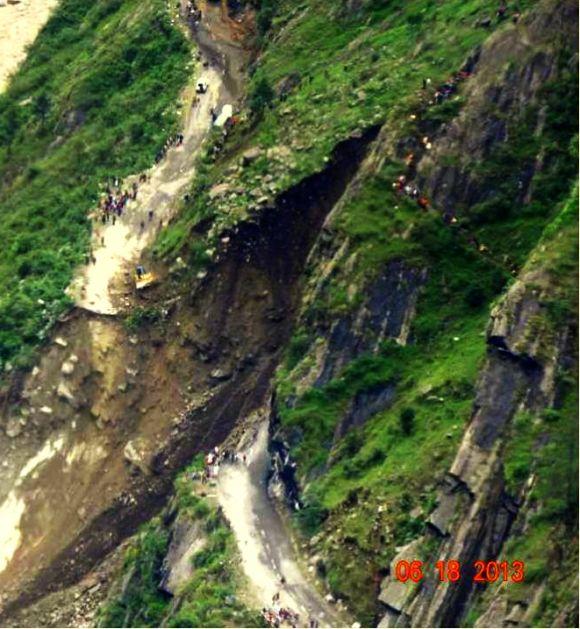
(94, 100)
(378, 260)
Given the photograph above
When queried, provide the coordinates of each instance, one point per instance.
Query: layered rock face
(475, 513)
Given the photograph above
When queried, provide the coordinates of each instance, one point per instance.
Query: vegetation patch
(94, 99)
(209, 598)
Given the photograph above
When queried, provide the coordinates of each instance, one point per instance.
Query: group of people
(112, 205)
(114, 202)
(276, 616)
(448, 88)
(214, 459)
(192, 13)
(403, 184)
(174, 140)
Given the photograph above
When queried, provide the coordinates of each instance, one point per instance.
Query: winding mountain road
(263, 541)
(104, 286)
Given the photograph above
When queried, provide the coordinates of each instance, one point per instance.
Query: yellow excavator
(143, 278)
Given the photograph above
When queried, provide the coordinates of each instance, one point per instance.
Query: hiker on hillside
(213, 115)
(150, 215)
(140, 270)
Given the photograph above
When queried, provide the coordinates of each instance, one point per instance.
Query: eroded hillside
(367, 302)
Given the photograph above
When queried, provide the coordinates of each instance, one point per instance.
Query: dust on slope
(19, 25)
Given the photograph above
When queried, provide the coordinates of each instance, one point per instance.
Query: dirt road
(104, 286)
(101, 285)
(263, 541)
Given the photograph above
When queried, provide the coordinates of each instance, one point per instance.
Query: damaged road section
(142, 403)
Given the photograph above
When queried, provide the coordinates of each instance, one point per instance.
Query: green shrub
(407, 420)
(311, 516)
(261, 96)
(143, 316)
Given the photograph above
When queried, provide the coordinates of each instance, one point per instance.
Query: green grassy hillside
(210, 598)
(95, 99)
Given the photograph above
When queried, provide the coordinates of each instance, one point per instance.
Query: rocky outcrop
(474, 513)
(364, 405)
(395, 594)
(187, 539)
(385, 313)
(512, 69)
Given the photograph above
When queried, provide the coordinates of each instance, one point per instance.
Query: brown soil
(142, 403)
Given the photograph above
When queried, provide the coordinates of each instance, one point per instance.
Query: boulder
(187, 538)
(60, 341)
(137, 455)
(251, 155)
(287, 84)
(394, 593)
(64, 393)
(13, 427)
(67, 368)
(219, 190)
(221, 375)
(279, 152)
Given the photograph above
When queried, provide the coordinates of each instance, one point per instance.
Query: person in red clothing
(423, 203)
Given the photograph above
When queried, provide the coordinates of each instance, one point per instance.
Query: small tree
(42, 106)
(261, 96)
(407, 420)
